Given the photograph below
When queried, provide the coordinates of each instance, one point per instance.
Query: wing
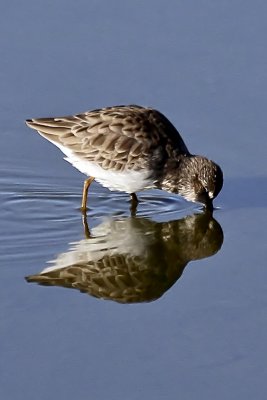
(115, 137)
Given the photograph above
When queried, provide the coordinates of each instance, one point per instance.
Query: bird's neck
(174, 173)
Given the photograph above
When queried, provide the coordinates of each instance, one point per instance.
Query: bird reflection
(133, 260)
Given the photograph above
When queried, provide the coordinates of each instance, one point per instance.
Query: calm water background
(203, 64)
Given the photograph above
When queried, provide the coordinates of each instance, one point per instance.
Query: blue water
(199, 331)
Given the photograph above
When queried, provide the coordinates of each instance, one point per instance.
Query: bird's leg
(86, 185)
(134, 203)
(134, 198)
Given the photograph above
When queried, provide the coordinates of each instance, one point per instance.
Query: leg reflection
(134, 204)
(87, 233)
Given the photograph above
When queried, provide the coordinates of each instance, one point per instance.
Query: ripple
(38, 211)
(163, 206)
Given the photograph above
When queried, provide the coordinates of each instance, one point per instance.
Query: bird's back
(116, 138)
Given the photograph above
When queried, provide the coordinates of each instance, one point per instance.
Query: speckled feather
(116, 138)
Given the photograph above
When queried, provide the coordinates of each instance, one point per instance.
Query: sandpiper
(130, 149)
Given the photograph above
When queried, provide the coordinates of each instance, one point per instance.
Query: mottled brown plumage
(115, 137)
(130, 148)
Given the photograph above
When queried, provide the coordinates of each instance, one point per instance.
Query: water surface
(169, 303)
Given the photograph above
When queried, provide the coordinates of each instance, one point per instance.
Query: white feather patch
(126, 181)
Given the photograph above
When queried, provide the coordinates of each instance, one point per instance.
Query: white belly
(125, 181)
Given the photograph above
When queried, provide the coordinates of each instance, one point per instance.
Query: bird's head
(197, 179)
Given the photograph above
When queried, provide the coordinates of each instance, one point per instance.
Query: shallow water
(171, 302)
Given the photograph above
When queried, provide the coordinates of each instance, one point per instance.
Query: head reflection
(135, 259)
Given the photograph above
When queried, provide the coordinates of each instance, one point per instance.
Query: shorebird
(130, 149)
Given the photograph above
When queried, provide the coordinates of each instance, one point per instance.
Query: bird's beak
(208, 204)
(205, 199)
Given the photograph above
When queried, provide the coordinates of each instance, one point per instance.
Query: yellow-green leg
(86, 185)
